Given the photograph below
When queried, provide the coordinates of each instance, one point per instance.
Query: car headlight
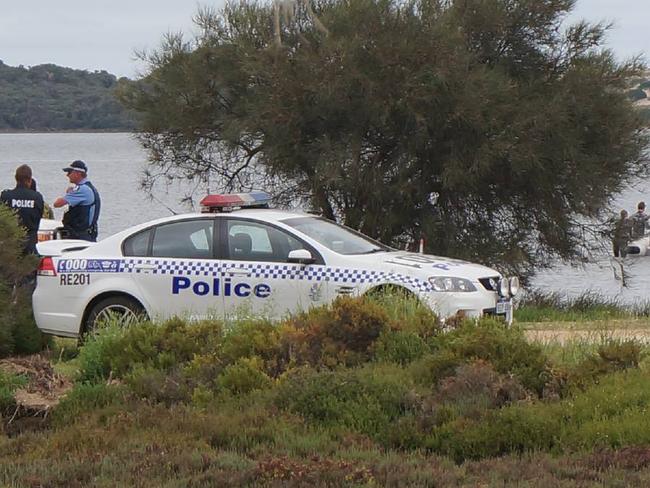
(508, 287)
(451, 284)
(514, 285)
(504, 287)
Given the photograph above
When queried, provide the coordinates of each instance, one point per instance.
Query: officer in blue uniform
(28, 205)
(80, 221)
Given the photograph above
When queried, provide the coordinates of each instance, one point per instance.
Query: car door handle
(145, 267)
(238, 272)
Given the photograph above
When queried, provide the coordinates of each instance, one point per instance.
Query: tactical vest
(28, 205)
(75, 220)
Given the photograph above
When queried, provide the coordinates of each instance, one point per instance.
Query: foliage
(18, 331)
(505, 348)
(244, 376)
(9, 383)
(115, 350)
(609, 357)
(50, 97)
(85, 398)
(374, 110)
(607, 415)
(365, 399)
(343, 334)
(539, 306)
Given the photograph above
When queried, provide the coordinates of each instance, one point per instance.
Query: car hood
(425, 265)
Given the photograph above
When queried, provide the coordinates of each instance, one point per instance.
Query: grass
(538, 306)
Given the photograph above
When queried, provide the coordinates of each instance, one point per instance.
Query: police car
(240, 257)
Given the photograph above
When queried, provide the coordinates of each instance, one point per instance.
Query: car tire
(124, 309)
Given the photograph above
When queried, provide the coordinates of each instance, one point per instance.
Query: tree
(372, 110)
(50, 97)
(18, 331)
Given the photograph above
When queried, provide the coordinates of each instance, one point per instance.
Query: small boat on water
(639, 247)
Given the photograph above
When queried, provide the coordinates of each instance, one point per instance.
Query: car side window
(252, 241)
(138, 244)
(192, 239)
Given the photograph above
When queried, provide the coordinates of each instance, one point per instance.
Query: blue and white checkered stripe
(275, 271)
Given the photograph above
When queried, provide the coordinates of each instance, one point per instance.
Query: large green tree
(487, 126)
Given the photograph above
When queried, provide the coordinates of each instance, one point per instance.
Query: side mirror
(301, 256)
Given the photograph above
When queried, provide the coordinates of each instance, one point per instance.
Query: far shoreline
(68, 131)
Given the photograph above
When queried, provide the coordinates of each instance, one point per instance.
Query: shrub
(244, 376)
(400, 347)
(504, 347)
(86, 398)
(18, 331)
(476, 388)
(95, 355)
(611, 356)
(9, 383)
(406, 312)
(168, 387)
(343, 333)
(366, 400)
(117, 350)
(255, 338)
(433, 367)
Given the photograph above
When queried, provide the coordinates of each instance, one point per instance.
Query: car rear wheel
(120, 310)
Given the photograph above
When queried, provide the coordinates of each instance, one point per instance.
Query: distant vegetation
(50, 97)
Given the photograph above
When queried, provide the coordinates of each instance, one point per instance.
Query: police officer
(639, 221)
(622, 234)
(28, 205)
(80, 221)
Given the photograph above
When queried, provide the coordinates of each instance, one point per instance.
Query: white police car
(238, 257)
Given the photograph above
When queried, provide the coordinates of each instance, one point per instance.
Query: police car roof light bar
(226, 202)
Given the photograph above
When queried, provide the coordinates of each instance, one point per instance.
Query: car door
(175, 269)
(257, 280)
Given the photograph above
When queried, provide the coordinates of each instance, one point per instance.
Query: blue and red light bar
(226, 202)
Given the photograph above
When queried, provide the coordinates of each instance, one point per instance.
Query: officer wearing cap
(28, 205)
(80, 221)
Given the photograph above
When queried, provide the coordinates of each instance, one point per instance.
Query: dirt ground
(45, 387)
(563, 335)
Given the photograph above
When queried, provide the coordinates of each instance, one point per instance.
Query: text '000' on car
(240, 255)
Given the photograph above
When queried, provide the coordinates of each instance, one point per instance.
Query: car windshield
(336, 237)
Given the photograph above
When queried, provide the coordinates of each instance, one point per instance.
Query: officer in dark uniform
(28, 205)
(80, 221)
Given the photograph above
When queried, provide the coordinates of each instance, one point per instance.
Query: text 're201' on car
(239, 256)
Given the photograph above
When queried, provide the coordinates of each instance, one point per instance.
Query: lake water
(116, 163)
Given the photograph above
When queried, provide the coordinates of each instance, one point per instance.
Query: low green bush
(505, 348)
(85, 398)
(432, 367)
(18, 331)
(610, 414)
(400, 347)
(244, 376)
(119, 350)
(365, 399)
(406, 312)
(341, 334)
(9, 383)
(610, 356)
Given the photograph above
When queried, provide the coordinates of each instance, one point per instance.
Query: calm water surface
(116, 162)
